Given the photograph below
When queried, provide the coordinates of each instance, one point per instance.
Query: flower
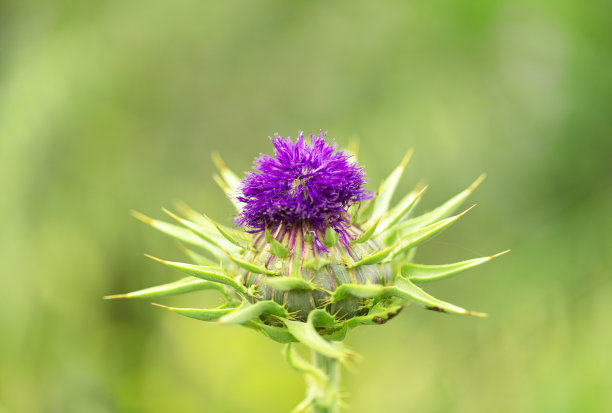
(309, 185)
(318, 254)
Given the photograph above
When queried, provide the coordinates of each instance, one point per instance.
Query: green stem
(327, 398)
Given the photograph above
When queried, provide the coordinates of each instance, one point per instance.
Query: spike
(185, 285)
(206, 273)
(403, 209)
(367, 234)
(198, 230)
(198, 259)
(408, 291)
(226, 234)
(373, 258)
(179, 233)
(251, 267)
(385, 193)
(232, 180)
(420, 273)
(201, 314)
(421, 235)
(443, 210)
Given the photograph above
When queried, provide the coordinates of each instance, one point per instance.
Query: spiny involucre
(313, 254)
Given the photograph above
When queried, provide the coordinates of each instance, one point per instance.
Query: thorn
(421, 192)
(498, 254)
(183, 208)
(218, 161)
(212, 222)
(407, 157)
(477, 182)
(220, 182)
(183, 248)
(161, 306)
(466, 211)
(141, 217)
(290, 315)
(112, 297)
(176, 217)
(353, 145)
(155, 258)
(476, 314)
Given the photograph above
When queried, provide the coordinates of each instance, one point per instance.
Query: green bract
(273, 282)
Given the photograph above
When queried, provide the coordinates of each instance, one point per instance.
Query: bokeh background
(116, 105)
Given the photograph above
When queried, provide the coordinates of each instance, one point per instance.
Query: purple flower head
(309, 185)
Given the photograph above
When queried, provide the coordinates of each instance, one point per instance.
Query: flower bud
(313, 253)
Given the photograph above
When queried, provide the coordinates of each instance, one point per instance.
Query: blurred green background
(116, 105)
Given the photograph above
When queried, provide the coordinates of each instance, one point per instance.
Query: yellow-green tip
(407, 157)
(477, 182)
(115, 296)
(141, 217)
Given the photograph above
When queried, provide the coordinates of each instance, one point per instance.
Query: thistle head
(316, 254)
(304, 185)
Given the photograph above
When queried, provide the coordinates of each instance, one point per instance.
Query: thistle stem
(327, 398)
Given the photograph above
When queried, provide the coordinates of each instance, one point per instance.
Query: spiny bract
(316, 255)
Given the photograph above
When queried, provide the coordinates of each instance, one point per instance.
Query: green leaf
(229, 181)
(303, 366)
(379, 314)
(308, 237)
(289, 284)
(232, 180)
(197, 259)
(278, 334)
(405, 206)
(402, 289)
(208, 234)
(385, 193)
(405, 256)
(367, 234)
(358, 290)
(206, 273)
(331, 237)
(443, 210)
(182, 286)
(251, 267)
(248, 311)
(321, 318)
(201, 314)
(316, 379)
(373, 258)
(179, 233)
(308, 335)
(421, 235)
(425, 273)
(363, 213)
(276, 247)
(206, 223)
(406, 290)
(316, 263)
(229, 235)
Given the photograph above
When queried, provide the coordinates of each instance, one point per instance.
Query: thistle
(311, 256)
